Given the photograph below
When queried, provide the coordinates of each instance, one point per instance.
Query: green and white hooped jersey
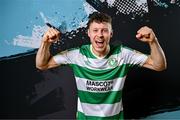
(100, 80)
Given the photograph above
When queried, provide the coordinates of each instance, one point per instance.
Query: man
(100, 69)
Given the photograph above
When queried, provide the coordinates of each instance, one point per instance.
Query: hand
(146, 34)
(51, 36)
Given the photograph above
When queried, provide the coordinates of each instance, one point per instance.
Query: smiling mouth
(100, 43)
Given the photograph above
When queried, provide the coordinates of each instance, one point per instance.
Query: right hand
(51, 36)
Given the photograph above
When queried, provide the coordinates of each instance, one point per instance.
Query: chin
(100, 50)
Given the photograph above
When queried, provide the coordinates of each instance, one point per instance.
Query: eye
(95, 30)
(105, 30)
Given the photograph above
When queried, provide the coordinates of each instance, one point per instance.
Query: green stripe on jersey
(85, 50)
(100, 98)
(81, 116)
(107, 74)
(114, 50)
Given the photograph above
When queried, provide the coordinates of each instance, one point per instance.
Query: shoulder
(84, 49)
(79, 50)
(124, 47)
(118, 49)
(69, 51)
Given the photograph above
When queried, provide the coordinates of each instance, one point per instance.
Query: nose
(100, 33)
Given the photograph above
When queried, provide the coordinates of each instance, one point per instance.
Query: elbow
(165, 66)
(161, 68)
(41, 67)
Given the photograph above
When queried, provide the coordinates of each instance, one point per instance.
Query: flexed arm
(43, 57)
(156, 60)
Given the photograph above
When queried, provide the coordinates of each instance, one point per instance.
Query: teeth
(99, 44)
(99, 41)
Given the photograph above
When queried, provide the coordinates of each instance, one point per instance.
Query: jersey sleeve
(133, 57)
(61, 58)
(66, 57)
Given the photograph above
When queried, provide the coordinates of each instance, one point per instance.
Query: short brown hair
(99, 18)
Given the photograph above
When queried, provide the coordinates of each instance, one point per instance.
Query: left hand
(145, 34)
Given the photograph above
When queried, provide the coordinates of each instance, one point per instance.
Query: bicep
(52, 63)
(149, 63)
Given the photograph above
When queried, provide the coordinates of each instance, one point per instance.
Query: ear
(88, 32)
(111, 33)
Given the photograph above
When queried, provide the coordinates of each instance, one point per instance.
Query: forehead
(100, 25)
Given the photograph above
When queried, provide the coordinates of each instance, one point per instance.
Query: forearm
(43, 55)
(157, 56)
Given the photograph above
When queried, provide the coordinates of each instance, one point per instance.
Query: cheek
(92, 37)
(108, 37)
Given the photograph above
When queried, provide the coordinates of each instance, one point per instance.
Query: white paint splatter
(43, 17)
(33, 41)
(88, 8)
(141, 2)
(83, 24)
(110, 2)
(7, 42)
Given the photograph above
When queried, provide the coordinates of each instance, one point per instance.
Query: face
(100, 35)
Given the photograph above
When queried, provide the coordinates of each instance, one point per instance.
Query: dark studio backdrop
(27, 92)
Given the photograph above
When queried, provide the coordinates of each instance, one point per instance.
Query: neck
(100, 54)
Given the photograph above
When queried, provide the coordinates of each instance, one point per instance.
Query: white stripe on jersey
(126, 56)
(116, 84)
(100, 110)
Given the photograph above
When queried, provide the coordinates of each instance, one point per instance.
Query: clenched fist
(51, 36)
(146, 34)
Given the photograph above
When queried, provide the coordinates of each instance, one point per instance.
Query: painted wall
(27, 92)
(23, 22)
